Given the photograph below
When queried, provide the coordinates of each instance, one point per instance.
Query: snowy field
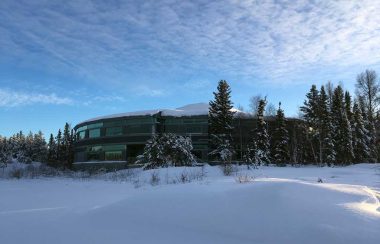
(275, 205)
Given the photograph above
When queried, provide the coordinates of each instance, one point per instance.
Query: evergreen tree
(370, 128)
(5, 155)
(280, 139)
(342, 128)
(311, 115)
(310, 107)
(261, 136)
(39, 148)
(348, 104)
(251, 156)
(60, 148)
(52, 150)
(67, 146)
(360, 139)
(167, 150)
(327, 152)
(220, 122)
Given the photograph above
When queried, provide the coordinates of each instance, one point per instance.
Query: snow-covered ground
(280, 205)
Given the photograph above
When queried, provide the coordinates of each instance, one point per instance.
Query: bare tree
(254, 103)
(368, 88)
(270, 110)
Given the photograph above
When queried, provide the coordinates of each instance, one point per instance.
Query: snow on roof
(187, 110)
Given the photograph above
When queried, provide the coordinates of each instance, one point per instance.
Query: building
(118, 139)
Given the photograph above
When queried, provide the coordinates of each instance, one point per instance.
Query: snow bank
(281, 205)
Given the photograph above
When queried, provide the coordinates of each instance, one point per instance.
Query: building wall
(123, 139)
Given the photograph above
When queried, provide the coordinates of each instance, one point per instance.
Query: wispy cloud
(270, 40)
(9, 98)
(146, 91)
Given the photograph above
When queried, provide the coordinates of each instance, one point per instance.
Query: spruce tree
(360, 139)
(167, 150)
(348, 104)
(327, 152)
(39, 146)
(67, 146)
(342, 128)
(52, 150)
(220, 122)
(5, 155)
(60, 148)
(261, 136)
(310, 111)
(370, 129)
(280, 139)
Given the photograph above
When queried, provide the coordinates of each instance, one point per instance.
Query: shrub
(244, 178)
(154, 178)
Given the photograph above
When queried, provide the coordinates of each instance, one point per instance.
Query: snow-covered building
(120, 138)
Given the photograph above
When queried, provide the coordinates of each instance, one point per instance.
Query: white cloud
(197, 84)
(270, 40)
(9, 98)
(146, 91)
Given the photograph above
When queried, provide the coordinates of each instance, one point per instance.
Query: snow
(187, 110)
(280, 205)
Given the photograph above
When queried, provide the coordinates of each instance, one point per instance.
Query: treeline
(335, 128)
(58, 152)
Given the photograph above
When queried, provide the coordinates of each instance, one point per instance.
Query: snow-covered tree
(167, 150)
(370, 128)
(251, 157)
(220, 121)
(39, 148)
(327, 154)
(261, 137)
(360, 136)
(60, 149)
(280, 140)
(342, 127)
(224, 150)
(311, 115)
(52, 150)
(5, 154)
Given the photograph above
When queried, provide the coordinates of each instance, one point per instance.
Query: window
(81, 135)
(95, 148)
(114, 131)
(143, 128)
(114, 152)
(94, 133)
(82, 128)
(114, 156)
(114, 123)
(96, 125)
(94, 153)
(114, 147)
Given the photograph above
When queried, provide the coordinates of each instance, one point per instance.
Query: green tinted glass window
(93, 156)
(139, 128)
(82, 128)
(96, 125)
(114, 131)
(114, 123)
(95, 149)
(81, 135)
(94, 133)
(113, 156)
(143, 120)
(114, 147)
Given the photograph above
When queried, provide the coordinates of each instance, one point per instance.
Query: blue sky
(72, 60)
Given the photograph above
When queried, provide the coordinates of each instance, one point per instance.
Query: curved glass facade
(122, 139)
